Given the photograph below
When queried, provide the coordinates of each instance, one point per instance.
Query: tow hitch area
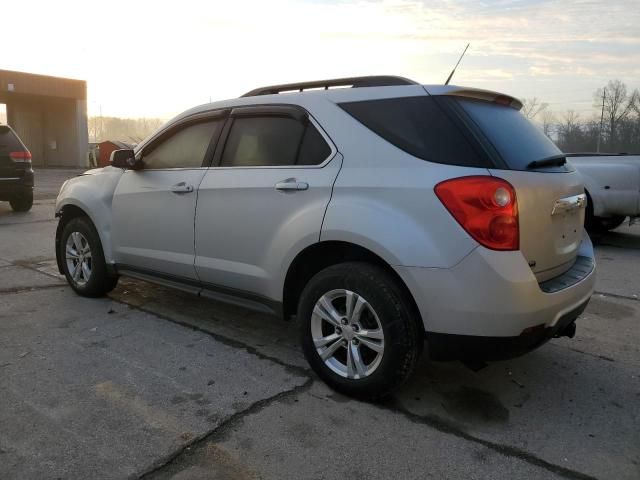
(568, 331)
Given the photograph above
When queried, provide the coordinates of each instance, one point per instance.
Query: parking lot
(155, 383)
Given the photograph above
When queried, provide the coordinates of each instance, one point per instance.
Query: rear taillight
(21, 157)
(486, 207)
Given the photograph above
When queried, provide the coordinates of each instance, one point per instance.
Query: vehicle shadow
(624, 236)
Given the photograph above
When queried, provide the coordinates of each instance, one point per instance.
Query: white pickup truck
(612, 185)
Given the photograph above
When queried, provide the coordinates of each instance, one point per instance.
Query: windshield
(518, 141)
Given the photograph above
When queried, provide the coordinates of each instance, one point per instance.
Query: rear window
(8, 140)
(419, 126)
(517, 140)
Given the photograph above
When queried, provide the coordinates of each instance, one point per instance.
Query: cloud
(158, 60)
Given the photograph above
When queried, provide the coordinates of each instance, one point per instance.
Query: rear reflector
(486, 207)
(24, 156)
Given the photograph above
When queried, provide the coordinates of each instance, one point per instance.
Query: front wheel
(358, 330)
(83, 259)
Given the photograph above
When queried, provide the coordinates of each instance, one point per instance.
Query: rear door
(154, 208)
(264, 200)
(551, 200)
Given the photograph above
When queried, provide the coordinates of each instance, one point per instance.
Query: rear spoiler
(477, 93)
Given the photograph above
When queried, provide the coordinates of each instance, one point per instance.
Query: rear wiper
(553, 161)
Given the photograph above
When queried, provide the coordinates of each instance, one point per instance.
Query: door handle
(181, 187)
(291, 184)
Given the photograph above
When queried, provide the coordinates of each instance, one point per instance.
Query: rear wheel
(601, 224)
(358, 330)
(83, 259)
(22, 202)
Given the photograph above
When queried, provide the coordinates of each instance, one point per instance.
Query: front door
(264, 201)
(154, 208)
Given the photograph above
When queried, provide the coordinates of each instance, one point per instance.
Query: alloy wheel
(347, 334)
(78, 257)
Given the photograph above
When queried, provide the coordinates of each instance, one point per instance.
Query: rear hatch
(549, 192)
(12, 154)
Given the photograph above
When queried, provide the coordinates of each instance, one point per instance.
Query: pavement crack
(231, 342)
(30, 266)
(174, 458)
(27, 222)
(6, 291)
(616, 295)
(577, 350)
(443, 426)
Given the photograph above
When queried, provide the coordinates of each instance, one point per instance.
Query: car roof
(351, 94)
(352, 89)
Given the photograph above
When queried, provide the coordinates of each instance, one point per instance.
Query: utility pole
(604, 95)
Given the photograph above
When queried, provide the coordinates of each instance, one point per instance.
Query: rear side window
(273, 141)
(419, 126)
(517, 140)
(185, 148)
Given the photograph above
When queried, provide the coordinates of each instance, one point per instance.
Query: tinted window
(419, 126)
(314, 149)
(8, 139)
(186, 148)
(262, 141)
(517, 140)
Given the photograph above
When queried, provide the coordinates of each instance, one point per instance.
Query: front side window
(186, 148)
(273, 141)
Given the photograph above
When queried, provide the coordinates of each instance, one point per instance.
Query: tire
(601, 224)
(22, 202)
(383, 308)
(95, 281)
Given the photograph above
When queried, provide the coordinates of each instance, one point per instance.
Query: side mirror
(125, 159)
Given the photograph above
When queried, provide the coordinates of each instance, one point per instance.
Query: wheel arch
(66, 213)
(324, 254)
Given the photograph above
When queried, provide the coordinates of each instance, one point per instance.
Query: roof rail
(353, 82)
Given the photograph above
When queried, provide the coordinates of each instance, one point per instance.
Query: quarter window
(273, 141)
(314, 149)
(186, 148)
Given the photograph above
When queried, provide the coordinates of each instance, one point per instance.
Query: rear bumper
(491, 305)
(443, 346)
(16, 184)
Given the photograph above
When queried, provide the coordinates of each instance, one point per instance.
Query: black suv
(16, 174)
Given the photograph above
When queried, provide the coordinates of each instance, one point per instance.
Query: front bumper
(492, 301)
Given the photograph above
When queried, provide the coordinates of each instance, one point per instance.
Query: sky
(156, 59)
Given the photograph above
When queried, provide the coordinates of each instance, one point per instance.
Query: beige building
(50, 116)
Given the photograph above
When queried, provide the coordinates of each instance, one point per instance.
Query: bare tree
(123, 129)
(618, 104)
(548, 120)
(532, 107)
(570, 134)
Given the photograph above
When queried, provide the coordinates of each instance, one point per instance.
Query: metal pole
(604, 94)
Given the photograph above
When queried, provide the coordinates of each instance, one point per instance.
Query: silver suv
(381, 214)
